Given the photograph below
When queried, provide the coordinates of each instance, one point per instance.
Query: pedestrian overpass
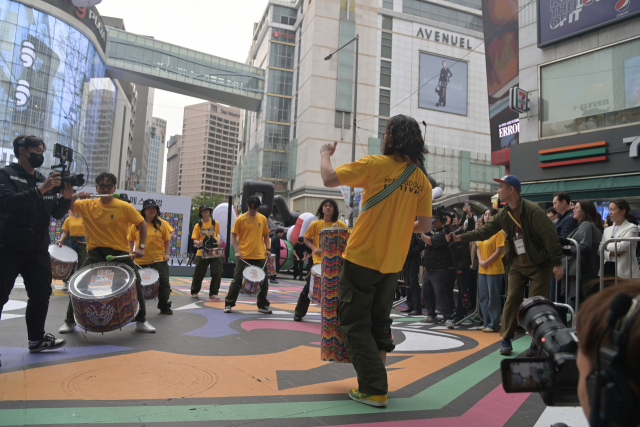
(149, 62)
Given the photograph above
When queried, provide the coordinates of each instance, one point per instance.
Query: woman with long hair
(490, 273)
(620, 259)
(588, 234)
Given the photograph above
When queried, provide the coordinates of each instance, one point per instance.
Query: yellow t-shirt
(381, 236)
(251, 235)
(313, 233)
(107, 225)
(488, 248)
(154, 247)
(206, 230)
(74, 226)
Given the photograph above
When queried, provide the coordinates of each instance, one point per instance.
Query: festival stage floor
(207, 368)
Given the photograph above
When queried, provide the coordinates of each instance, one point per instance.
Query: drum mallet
(114, 195)
(111, 257)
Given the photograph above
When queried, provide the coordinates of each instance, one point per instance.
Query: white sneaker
(265, 310)
(449, 324)
(145, 327)
(227, 309)
(214, 298)
(67, 328)
(194, 295)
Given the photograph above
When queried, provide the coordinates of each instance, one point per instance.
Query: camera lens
(538, 316)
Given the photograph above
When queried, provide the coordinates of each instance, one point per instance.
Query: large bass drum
(104, 296)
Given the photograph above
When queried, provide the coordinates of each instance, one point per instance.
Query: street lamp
(355, 111)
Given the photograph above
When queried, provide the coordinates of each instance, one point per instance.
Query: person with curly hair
(396, 190)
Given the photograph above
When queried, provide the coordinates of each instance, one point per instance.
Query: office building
(173, 165)
(155, 166)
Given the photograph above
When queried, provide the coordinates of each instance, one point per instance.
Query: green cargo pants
(201, 271)
(164, 288)
(365, 298)
(519, 277)
(234, 288)
(81, 250)
(97, 255)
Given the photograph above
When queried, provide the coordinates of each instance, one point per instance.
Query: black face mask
(36, 160)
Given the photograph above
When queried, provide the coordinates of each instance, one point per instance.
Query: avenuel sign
(442, 37)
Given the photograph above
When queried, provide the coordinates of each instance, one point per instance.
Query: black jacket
(24, 215)
(416, 247)
(437, 255)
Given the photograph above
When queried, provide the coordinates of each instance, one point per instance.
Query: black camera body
(555, 375)
(65, 154)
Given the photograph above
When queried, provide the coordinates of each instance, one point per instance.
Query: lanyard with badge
(519, 242)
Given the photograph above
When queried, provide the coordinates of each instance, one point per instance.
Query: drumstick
(114, 195)
(111, 257)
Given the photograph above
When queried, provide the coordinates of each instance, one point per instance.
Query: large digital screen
(632, 82)
(53, 84)
(562, 19)
(443, 84)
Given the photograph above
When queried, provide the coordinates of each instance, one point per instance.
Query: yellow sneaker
(371, 400)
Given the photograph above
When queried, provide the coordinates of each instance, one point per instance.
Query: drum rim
(254, 266)
(64, 248)
(319, 267)
(152, 269)
(101, 264)
(334, 229)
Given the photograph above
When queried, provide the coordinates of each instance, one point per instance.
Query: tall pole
(353, 140)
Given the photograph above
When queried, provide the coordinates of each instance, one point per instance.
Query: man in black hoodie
(26, 204)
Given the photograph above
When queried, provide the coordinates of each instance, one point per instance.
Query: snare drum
(208, 253)
(333, 241)
(104, 296)
(315, 284)
(150, 282)
(252, 278)
(271, 265)
(63, 259)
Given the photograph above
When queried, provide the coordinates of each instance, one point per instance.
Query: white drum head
(253, 274)
(102, 280)
(149, 276)
(317, 269)
(63, 253)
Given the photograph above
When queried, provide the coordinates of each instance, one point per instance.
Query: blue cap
(512, 180)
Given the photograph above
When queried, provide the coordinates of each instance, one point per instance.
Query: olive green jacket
(541, 241)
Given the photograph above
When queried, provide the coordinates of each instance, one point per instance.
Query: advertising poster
(632, 82)
(446, 84)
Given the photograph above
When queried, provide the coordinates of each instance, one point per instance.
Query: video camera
(65, 154)
(554, 376)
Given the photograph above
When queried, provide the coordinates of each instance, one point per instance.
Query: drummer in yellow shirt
(395, 192)
(206, 228)
(157, 250)
(74, 228)
(106, 223)
(250, 239)
(327, 217)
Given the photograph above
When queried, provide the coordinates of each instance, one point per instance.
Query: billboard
(500, 21)
(443, 84)
(632, 82)
(562, 19)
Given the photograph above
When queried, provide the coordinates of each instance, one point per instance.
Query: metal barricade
(402, 283)
(632, 257)
(566, 304)
(476, 312)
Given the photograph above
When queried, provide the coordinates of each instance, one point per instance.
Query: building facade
(208, 149)
(405, 46)
(582, 130)
(173, 165)
(141, 139)
(155, 168)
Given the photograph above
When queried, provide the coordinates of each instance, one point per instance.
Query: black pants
(236, 283)
(412, 273)
(437, 284)
(468, 286)
(35, 268)
(303, 300)
(97, 255)
(81, 250)
(164, 288)
(298, 268)
(201, 270)
(277, 253)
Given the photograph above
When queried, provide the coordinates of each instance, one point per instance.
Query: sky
(218, 27)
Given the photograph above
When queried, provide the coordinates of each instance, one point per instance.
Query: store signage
(518, 100)
(284, 35)
(89, 16)
(509, 128)
(562, 19)
(633, 142)
(573, 154)
(442, 37)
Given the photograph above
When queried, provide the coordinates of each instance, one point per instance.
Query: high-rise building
(155, 168)
(141, 139)
(173, 165)
(209, 149)
(419, 58)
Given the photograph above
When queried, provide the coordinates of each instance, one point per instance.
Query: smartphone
(466, 203)
(527, 375)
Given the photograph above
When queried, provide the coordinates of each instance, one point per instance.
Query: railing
(566, 304)
(632, 257)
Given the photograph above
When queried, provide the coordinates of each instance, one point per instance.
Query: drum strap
(386, 192)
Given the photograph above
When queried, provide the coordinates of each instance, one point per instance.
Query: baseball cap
(512, 180)
(204, 208)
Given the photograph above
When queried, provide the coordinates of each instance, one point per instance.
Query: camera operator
(439, 271)
(412, 273)
(532, 247)
(26, 204)
(608, 328)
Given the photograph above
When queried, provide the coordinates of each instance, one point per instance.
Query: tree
(204, 198)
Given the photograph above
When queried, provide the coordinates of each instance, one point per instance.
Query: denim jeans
(490, 304)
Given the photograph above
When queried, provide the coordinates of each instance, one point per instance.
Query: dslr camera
(65, 154)
(554, 374)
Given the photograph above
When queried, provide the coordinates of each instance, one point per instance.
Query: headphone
(613, 402)
(22, 142)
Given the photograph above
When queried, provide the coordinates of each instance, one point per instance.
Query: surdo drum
(315, 284)
(63, 259)
(150, 282)
(252, 278)
(104, 296)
